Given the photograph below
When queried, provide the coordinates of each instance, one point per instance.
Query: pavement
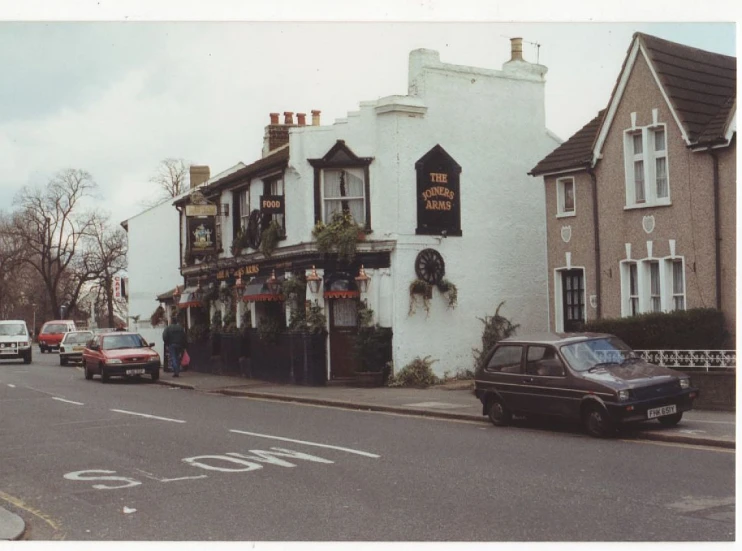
(454, 400)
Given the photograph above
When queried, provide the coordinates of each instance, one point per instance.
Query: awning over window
(340, 285)
(191, 296)
(257, 290)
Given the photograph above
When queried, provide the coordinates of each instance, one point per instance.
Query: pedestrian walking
(174, 337)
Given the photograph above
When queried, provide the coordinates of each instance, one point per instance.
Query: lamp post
(362, 280)
(273, 284)
(313, 281)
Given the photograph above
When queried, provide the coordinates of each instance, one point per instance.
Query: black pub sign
(271, 204)
(438, 199)
(202, 235)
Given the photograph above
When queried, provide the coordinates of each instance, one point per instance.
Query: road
(131, 460)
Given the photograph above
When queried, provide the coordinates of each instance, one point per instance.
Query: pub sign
(438, 199)
(271, 204)
(202, 234)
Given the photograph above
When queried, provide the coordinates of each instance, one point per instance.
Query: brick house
(641, 201)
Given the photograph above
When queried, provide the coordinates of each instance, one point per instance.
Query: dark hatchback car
(588, 377)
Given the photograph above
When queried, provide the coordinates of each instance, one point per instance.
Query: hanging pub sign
(438, 199)
(201, 225)
(271, 204)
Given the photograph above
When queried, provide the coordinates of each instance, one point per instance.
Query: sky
(116, 97)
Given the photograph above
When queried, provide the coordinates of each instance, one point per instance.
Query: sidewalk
(452, 401)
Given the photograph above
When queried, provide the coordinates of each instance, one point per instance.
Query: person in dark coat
(174, 337)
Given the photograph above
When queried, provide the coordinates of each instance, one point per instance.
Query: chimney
(277, 134)
(274, 118)
(516, 49)
(199, 175)
(301, 119)
(315, 117)
(288, 117)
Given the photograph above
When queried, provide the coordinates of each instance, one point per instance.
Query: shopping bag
(185, 359)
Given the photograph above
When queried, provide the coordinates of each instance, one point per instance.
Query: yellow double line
(20, 504)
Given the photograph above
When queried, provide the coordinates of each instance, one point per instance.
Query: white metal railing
(706, 360)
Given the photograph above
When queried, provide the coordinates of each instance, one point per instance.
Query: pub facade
(414, 213)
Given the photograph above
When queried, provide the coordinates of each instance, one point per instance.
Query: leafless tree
(109, 248)
(171, 178)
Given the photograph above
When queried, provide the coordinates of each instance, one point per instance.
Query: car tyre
(27, 358)
(104, 377)
(498, 413)
(155, 375)
(62, 360)
(43, 349)
(597, 422)
(88, 373)
(670, 420)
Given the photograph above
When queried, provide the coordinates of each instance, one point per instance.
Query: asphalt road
(130, 460)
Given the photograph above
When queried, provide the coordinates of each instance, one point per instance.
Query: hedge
(695, 329)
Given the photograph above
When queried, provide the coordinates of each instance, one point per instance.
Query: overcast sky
(114, 98)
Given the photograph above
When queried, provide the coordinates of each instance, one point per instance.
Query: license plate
(134, 371)
(659, 412)
(78, 348)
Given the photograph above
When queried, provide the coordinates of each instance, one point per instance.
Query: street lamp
(274, 286)
(313, 281)
(362, 280)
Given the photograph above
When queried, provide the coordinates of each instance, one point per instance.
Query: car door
(92, 355)
(504, 370)
(547, 382)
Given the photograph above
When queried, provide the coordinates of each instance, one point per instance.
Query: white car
(15, 342)
(72, 345)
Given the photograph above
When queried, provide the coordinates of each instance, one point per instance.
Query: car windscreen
(54, 328)
(585, 355)
(114, 342)
(12, 329)
(77, 338)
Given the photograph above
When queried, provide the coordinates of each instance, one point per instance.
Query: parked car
(15, 342)
(52, 332)
(72, 345)
(589, 377)
(120, 354)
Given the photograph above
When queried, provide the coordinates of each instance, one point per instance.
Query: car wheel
(155, 375)
(27, 358)
(597, 423)
(62, 360)
(498, 413)
(670, 420)
(104, 377)
(88, 373)
(42, 349)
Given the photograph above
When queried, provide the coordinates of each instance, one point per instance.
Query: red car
(120, 354)
(52, 332)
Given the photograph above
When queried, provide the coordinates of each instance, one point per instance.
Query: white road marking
(148, 416)
(67, 401)
(153, 477)
(713, 422)
(11, 386)
(358, 452)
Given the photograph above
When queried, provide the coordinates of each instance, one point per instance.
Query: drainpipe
(717, 226)
(594, 180)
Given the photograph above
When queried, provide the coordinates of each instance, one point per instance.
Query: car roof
(554, 338)
(116, 333)
(5, 322)
(59, 321)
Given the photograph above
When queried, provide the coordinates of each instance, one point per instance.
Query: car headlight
(685, 383)
(113, 361)
(61, 348)
(623, 395)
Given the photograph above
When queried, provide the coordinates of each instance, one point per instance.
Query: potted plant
(422, 289)
(341, 235)
(372, 349)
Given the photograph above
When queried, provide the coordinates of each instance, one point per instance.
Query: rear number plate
(139, 372)
(659, 412)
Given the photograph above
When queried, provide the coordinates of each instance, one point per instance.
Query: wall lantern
(274, 286)
(314, 281)
(176, 293)
(362, 280)
(238, 283)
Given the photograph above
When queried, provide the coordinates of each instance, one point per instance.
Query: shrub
(373, 343)
(694, 329)
(417, 373)
(496, 328)
(269, 238)
(341, 234)
(216, 320)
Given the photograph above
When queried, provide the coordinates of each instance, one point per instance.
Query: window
(542, 361)
(244, 207)
(647, 175)
(273, 186)
(678, 285)
(344, 191)
(506, 359)
(655, 295)
(566, 196)
(633, 289)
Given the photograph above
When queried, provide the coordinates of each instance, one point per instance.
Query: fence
(692, 360)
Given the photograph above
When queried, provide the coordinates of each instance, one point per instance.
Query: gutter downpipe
(717, 226)
(594, 180)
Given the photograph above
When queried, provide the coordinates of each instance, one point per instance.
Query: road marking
(67, 401)
(148, 416)
(21, 505)
(358, 452)
(713, 422)
(11, 386)
(153, 477)
(436, 405)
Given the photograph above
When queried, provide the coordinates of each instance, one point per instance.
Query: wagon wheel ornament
(254, 229)
(429, 266)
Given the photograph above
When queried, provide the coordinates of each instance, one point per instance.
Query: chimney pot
(315, 117)
(274, 118)
(516, 49)
(288, 117)
(301, 119)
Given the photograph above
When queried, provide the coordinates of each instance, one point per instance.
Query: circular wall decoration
(254, 226)
(429, 266)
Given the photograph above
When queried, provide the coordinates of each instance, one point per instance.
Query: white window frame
(323, 199)
(648, 157)
(672, 295)
(244, 196)
(667, 294)
(654, 300)
(562, 212)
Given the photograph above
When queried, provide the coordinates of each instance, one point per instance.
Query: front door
(573, 300)
(343, 329)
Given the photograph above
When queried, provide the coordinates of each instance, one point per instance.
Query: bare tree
(109, 247)
(48, 231)
(170, 180)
